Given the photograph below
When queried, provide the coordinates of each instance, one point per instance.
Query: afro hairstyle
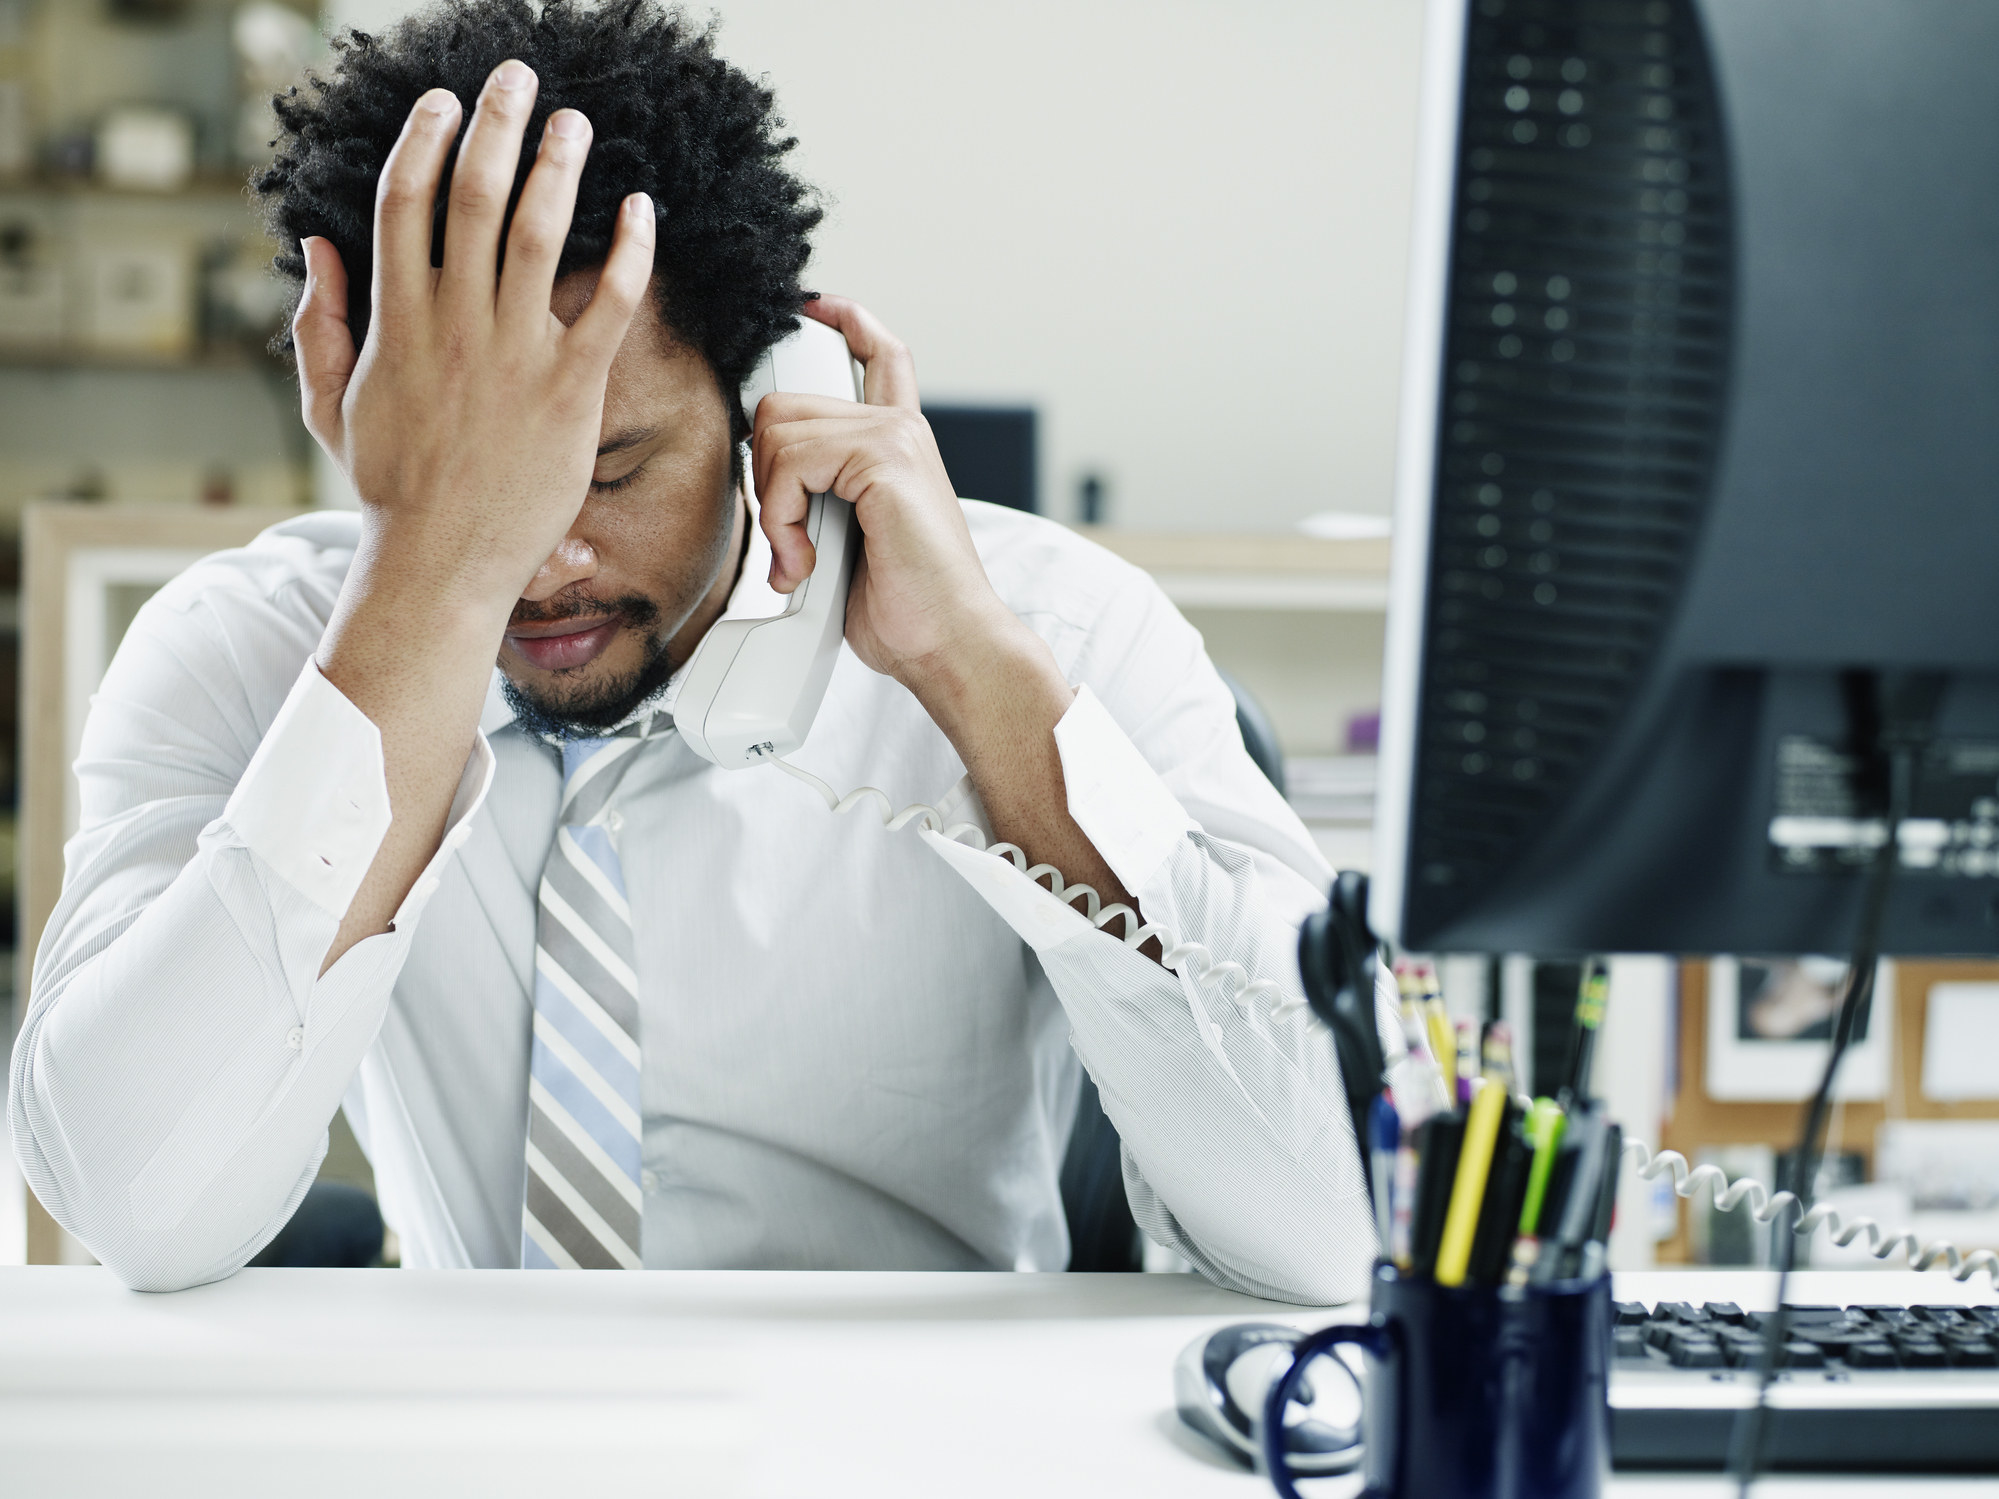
(668, 116)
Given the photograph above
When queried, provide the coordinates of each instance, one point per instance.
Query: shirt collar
(752, 598)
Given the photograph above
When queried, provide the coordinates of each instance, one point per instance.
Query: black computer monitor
(989, 452)
(1700, 446)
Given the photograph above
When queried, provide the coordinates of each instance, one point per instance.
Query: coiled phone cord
(1767, 1206)
(1190, 958)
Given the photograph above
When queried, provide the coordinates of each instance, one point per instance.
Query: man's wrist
(423, 556)
(1000, 675)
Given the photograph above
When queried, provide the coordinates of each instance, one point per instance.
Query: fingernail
(439, 102)
(513, 74)
(639, 206)
(568, 124)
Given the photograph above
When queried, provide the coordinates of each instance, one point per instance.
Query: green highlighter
(1545, 1122)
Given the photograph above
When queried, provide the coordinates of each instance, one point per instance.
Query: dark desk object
(989, 452)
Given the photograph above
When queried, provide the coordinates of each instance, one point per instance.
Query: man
(657, 1013)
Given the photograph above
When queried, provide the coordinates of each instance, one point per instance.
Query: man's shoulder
(295, 568)
(1039, 566)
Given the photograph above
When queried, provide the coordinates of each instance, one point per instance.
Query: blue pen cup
(1471, 1392)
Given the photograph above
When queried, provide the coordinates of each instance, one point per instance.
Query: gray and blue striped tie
(583, 1205)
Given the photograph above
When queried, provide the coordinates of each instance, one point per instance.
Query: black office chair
(336, 1226)
(1102, 1233)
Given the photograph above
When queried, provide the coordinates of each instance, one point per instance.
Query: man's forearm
(998, 704)
(417, 662)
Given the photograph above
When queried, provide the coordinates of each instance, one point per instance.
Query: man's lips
(563, 643)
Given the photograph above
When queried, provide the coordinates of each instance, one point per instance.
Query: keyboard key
(1724, 1311)
(1941, 1317)
(1888, 1317)
(1801, 1356)
(1660, 1334)
(1871, 1356)
(1921, 1353)
(1835, 1338)
(1801, 1316)
(1969, 1353)
(1742, 1353)
(1681, 1311)
(1629, 1343)
(1697, 1353)
(1629, 1312)
(1989, 1315)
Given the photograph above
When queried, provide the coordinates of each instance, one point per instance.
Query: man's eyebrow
(619, 442)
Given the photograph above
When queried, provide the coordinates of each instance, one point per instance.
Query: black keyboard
(1886, 1388)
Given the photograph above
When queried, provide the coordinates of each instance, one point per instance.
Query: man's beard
(588, 713)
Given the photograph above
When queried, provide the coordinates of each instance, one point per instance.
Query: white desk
(373, 1384)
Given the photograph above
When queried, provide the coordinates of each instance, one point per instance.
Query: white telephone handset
(754, 685)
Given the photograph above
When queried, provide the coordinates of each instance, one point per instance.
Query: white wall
(1176, 226)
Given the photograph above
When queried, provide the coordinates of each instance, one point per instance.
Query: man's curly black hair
(668, 116)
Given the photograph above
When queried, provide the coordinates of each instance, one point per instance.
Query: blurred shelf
(204, 188)
(62, 359)
(1232, 571)
(1332, 788)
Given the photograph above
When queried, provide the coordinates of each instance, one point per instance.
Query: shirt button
(649, 1179)
(295, 1038)
(615, 822)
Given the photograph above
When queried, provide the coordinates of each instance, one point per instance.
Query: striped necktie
(583, 1205)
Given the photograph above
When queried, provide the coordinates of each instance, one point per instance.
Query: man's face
(649, 562)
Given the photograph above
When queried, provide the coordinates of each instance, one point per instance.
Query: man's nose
(574, 561)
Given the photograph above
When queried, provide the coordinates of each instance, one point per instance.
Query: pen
(1465, 1049)
(1419, 1086)
(1591, 1000)
(1437, 1143)
(1482, 1123)
(1443, 1040)
(1499, 1218)
(1544, 1135)
(1606, 1206)
(1581, 1203)
(1496, 1052)
(1402, 1203)
(1384, 1137)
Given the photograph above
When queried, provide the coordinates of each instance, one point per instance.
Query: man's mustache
(635, 610)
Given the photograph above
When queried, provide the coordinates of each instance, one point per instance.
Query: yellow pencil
(1468, 1188)
(1443, 1039)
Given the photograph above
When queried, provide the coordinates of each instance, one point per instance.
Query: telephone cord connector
(1190, 958)
(1767, 1206)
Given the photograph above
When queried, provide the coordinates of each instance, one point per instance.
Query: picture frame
(1769, 1025)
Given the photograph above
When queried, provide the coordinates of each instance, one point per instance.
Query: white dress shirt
(860, 1047)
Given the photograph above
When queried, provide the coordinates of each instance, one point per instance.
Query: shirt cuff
(1037, 918)
(313, 803)
(1118, 800)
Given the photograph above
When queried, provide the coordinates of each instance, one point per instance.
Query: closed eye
(612, 486)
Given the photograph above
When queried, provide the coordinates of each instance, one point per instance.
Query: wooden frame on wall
(76, 559)
(1698, 1122)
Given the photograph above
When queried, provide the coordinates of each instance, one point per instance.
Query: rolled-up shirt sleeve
(1238, 1153)
(183, 1055)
